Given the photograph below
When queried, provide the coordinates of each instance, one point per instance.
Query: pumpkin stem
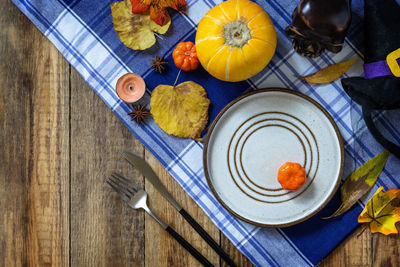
(237, 34)
(176, 80)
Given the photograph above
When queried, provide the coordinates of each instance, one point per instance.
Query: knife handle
(210, 241)
(195, 253)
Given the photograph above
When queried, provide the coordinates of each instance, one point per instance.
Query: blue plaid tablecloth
(82, 30)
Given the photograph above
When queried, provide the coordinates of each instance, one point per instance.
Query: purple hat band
(377, 69)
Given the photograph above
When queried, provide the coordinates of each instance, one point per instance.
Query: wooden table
(59, 141)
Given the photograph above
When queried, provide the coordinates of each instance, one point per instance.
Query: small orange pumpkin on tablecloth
(185, 56)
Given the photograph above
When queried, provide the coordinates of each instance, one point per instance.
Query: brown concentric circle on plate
(241, 157)
(282, 90)
(252, 132)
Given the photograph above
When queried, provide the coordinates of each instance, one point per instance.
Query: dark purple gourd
(318, 25)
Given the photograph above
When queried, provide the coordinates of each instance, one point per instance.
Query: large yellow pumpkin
(235, 40)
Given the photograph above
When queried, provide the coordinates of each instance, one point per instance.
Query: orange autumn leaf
(157, 8)
(382, 211)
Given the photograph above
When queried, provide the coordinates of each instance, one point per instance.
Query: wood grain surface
(59, 142)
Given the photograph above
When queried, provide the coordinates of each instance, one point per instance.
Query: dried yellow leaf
(330, 73)
(181, 110)
(136, 31)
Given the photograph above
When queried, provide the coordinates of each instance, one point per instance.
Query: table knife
(152, 177)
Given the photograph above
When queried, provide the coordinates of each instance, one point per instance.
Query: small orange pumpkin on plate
(291, 176)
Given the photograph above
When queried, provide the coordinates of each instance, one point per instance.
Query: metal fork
(136, 198)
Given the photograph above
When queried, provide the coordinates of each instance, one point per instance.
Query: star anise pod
(138, 113)
(159, 64)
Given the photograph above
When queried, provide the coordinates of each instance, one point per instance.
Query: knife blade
(151, 176)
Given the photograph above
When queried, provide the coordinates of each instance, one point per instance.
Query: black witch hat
(380, 88)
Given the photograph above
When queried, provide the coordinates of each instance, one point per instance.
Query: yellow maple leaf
(136, 31)
(181, 110)
(382, 211)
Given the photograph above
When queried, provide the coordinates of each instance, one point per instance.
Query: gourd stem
(362, 230)
(176, 80)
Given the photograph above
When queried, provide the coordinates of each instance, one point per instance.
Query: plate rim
(264, 90)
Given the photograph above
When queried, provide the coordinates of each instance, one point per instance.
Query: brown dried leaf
(330, 73)
(181, 110)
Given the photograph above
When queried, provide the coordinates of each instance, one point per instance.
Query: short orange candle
(130, 87)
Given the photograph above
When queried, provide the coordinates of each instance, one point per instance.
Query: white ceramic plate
(253, 136)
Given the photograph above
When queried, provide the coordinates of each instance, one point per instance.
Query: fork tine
(129, 190)
(122, 195)
(124, 186)
(121, 187)
(135, 186)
